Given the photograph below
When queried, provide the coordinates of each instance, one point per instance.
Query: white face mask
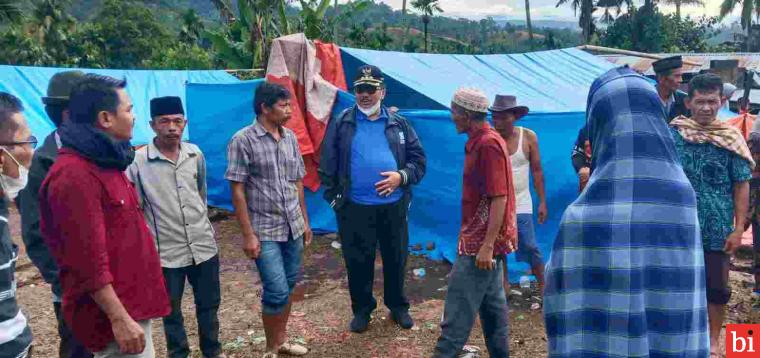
(371, 110)
(12, 186)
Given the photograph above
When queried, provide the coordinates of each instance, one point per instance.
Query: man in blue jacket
(370, 159)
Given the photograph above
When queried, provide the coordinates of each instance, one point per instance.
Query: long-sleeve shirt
(15, 336)
(173, 197)
(91, 220)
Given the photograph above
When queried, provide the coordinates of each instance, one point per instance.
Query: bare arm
(251, 245)
(741, 204)
(307, 236)
(128, 334)
(534, 156)
(495, 219)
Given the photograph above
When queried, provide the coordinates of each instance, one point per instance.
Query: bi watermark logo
(742, 340)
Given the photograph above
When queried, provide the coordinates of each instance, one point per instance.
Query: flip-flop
(293, 349)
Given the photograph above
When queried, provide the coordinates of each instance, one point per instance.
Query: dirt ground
(322, 310)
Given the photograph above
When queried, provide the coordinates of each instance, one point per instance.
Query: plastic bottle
(524, 282)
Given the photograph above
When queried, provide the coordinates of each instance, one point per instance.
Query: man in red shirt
(488, 233)
(109, 268)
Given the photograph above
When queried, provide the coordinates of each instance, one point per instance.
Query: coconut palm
(9, 11)
(586, 20)
(527, 21)
(428, 8)
(679, 3)
(748, 7)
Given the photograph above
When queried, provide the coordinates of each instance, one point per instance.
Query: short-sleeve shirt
(712, 171)
(487, 174)
(270, 170)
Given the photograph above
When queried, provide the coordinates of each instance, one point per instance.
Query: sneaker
(269, 355)
(359, 324)
(403, 319)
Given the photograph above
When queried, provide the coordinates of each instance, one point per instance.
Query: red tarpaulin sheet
(313, 73)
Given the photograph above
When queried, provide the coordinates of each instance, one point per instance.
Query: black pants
(204, 278)
(361, 227)
(70, 347)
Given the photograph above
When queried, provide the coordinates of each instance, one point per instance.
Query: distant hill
(538, 23)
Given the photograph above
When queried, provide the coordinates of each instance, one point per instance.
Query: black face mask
(97, 146)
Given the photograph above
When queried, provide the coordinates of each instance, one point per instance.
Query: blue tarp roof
(30, 84)
(546, 81)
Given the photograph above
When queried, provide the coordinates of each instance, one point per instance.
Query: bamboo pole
(631, 53)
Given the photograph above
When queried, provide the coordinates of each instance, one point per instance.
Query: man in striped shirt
(17, 145)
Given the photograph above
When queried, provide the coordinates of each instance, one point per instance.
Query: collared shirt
(487, 174)
(173, 198)
(269, 169)
(669, 103)
(91, 220)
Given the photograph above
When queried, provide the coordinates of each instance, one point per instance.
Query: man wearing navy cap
(370, 159)
(669, 77)
(170, 177)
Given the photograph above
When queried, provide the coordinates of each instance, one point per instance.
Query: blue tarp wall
(30, 84)
(218, 111)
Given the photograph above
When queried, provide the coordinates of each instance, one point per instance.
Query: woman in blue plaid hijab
(626, 275)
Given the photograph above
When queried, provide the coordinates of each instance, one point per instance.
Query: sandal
(293, 349)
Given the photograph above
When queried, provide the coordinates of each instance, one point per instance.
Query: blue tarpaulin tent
(30, 84)
(553, 83)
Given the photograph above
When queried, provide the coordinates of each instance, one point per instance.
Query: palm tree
(748, 7)
(678, 4)
(586, 20)
(9, 11)
(428, 8)
(527, 18)
(192, 27)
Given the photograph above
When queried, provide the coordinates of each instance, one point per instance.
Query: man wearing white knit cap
(488, 233)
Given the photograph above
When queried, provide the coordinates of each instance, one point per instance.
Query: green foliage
(9, 12)
(648, 30)
(183, 56)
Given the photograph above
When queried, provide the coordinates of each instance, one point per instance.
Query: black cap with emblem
(369, 75)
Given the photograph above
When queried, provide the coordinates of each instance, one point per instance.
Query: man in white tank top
(523, 149)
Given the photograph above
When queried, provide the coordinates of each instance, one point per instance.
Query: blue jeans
(472, 291)
(527, 249)
(279, 266)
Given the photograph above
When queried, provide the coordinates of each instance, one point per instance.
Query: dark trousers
(361, 227)
(204, 278)
(70, 347)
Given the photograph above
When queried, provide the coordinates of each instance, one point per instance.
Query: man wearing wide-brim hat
(524, 155)
(669, 75)
(371, 157)
(57, 108)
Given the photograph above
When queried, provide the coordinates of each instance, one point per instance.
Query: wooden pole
(631, 53)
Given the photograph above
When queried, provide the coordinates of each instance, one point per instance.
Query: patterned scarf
(716, 133)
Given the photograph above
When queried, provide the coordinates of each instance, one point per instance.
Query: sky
(541, 9)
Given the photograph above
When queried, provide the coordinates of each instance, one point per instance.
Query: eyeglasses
(31, 141)
(364, 88)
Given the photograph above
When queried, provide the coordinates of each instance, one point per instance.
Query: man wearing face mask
(91, 220)
(370, 159)
(56, 106)
(717, 162)
(17, 145)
